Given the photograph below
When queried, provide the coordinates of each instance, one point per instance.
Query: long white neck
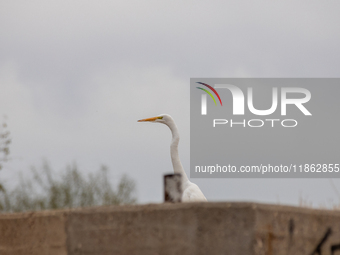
(176, 163)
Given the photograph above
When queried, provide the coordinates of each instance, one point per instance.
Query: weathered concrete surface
(196, 228)
(289, 230)
(162, 229)
(32, 233)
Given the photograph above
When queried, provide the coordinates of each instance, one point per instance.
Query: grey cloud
(75, 77)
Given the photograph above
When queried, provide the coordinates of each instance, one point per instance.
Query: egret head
(163, 118)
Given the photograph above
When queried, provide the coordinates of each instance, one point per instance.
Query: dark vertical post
(173, 188)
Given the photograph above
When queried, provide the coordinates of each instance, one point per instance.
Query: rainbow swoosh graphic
(209, 93)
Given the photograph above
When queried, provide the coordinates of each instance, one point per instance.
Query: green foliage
(68, 190)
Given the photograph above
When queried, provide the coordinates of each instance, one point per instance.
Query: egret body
(191, 192)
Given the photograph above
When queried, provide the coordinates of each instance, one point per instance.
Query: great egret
(191, 192)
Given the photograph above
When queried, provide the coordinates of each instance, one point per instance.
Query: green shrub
(70, 189)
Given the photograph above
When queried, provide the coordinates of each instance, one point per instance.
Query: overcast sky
(75, 76)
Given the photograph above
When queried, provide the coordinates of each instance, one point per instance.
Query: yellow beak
(150, 119)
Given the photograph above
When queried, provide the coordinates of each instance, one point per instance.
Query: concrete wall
(33, 233)
(197, 228)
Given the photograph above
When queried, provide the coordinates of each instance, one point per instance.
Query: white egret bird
(191, 192)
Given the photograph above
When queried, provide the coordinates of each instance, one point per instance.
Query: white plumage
(191, 192)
